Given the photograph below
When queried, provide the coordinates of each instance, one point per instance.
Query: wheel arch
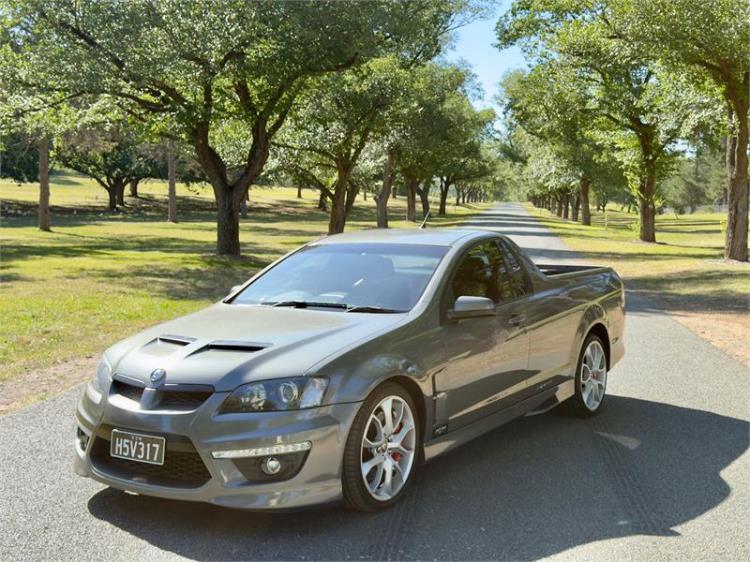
(595, 320)
(416, 394)
(601, 331)
(421, 401)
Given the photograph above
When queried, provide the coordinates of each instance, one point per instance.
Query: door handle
(515, 319)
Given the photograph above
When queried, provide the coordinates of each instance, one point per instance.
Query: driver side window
(478, 273)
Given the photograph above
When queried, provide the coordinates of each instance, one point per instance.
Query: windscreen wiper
(339, 305)
(373, 309)
(308, 304)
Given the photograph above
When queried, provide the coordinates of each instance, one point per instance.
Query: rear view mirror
(471, 307)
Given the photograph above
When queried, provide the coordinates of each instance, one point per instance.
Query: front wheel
(381, 449)
(591, 378)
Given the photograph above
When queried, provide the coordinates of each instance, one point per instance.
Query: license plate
(137, 447)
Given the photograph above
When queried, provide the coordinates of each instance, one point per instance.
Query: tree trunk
(172, 182)
(120, 192)
(228, 195)
(576, 199)
(646, 206)
(322, 201)
(134, 188)
(647, 139)
(228, 221)
(584, 186)
(458, 196)
(559, 212)
(411, 198)
(337, 222)
(112, 193)
(445, 186)
(735, 247)
(648, 220)
(381, 198)
(299, 192)
(424, 197)
(566, 200)
(44, 215)
(351, 196)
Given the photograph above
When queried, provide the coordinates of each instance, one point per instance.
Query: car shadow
(535, 487)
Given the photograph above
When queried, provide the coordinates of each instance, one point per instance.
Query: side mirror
(472, 307)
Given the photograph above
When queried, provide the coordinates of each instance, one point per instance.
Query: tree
(332, 124)
(640, 109)
(548, 103)
(711, 38)
(27, 125)
(386, 187)
(19, 157)
(462, 156)
(111, 155)
(26, 159)
(192, 70)
(700, 180)
(440, 135)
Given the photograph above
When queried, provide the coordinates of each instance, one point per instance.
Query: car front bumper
(192, 436)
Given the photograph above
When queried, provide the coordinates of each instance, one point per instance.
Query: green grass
(684, 270)
(99, 277)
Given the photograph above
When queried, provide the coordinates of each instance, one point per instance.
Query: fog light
(82, 439)
(271, 466)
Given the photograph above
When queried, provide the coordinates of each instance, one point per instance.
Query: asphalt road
(662, 473)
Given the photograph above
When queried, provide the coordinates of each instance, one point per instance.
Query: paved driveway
(662, 473)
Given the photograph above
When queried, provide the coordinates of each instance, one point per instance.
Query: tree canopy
(194, 70)
(633, 81)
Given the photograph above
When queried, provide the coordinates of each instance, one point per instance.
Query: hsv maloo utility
(337, 370)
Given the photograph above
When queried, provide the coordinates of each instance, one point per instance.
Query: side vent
(231, 345)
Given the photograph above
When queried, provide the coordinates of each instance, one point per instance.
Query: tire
(590, 385)
(369, 444)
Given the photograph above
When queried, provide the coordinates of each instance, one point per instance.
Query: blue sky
(474, 45)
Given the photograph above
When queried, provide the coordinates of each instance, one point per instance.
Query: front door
(487, 356)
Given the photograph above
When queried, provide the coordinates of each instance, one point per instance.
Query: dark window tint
(518, 279)
(481, 274)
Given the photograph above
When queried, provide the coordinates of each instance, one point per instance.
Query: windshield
(388, 277)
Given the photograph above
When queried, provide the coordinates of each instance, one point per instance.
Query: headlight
(102, 378)
(277, 394)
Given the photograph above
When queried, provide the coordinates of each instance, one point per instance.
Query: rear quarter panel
(561, 312)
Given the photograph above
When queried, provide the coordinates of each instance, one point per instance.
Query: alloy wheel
(388, 448)
(593, 375)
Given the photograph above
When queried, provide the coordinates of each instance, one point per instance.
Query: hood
(227, 345)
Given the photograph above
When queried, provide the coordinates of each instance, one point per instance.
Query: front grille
(182, 399)
(129, 391)
(182, 468)
(168, 397)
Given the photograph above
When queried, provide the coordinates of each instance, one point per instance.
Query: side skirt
(536, 404)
